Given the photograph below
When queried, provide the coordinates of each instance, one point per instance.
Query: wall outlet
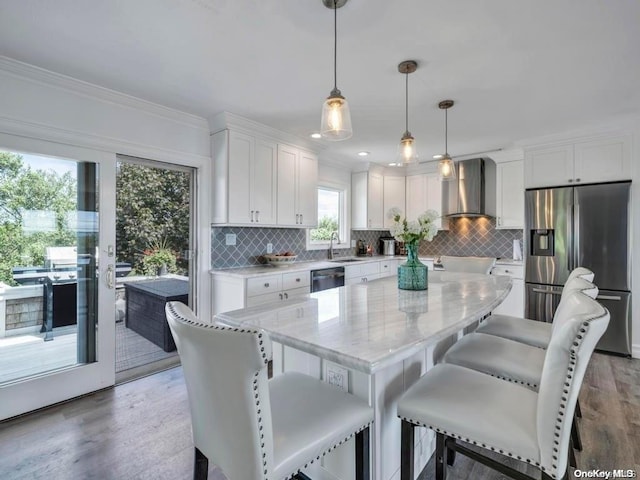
(336, 375)
(353, 244)
(269, 247)
(230, 239)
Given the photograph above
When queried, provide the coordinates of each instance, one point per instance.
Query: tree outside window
(329, 215)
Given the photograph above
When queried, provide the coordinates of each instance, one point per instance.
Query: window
(332, 217)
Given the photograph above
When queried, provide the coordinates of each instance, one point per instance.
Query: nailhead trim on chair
(572, 362)
(326, 451)
(257, 398)
(220, 327)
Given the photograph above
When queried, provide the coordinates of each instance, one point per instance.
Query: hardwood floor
(141, 430)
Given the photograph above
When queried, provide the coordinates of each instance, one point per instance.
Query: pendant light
(446, 166)
(336, 118)
(407, 153)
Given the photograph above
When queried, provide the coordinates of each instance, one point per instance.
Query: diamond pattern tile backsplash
(472, 237)
(477, 237)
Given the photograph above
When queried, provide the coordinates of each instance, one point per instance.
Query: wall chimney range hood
(473, 193)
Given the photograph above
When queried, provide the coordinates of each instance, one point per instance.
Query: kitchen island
(375, 340)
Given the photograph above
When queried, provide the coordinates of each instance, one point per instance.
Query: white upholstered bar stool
(461, 404)
(468, 264)
(531, 332)
(254, 428)
(514, 361)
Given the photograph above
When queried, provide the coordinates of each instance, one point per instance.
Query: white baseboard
(635, 350)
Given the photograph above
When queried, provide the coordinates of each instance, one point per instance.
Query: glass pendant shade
(336, 118)
(447, 168)
(407, 152)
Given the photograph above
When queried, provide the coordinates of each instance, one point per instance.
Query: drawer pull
(286, 295)
(266, 285)
(280, 296)
(297, 279)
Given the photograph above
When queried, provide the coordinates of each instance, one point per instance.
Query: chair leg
(572, 455)
(441, 468)
(200, 466)
(578, 409)
(451, 453)
(575, 434)
(406, 451)
(362, 455)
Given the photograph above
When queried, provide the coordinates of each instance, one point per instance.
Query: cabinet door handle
(266, 285)
(577, 179)
(507, 271)
(280, 296)
(301, 219)
(252, 215)
(297, 218)
(258, 216)
(571, 180)
(286, 295)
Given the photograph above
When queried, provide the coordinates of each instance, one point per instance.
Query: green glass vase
(412, 275)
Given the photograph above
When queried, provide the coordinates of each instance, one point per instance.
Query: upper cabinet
(424, 192)
(297, 187)
(260, 181)
(393, 195)
(367, 202)
(245, 169)
(510, 195)
(600, 160)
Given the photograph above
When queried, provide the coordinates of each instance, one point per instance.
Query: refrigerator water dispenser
(542, 244)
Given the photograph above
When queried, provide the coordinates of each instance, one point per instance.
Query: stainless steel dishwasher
(326, 278)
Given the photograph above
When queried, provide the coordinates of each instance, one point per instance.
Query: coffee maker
(361, 248)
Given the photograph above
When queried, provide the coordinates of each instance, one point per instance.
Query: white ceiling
(516, 69)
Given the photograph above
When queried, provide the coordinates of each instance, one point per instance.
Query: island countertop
(368, 326)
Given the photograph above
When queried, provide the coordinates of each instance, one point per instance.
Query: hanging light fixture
(446, 166)
(407, 148)
(336, 118)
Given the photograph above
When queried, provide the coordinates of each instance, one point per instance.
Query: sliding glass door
(57, 273)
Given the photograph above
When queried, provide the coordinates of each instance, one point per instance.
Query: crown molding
(48, 78)
(224, 120)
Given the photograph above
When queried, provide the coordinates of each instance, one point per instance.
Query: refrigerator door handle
(616, 298)
(550, 292)
(576, 234)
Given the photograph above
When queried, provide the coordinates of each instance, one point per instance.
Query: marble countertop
(260, 270)
(368, 326)
(263, 270)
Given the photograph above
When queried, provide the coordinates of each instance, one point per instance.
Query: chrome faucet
(333, 234)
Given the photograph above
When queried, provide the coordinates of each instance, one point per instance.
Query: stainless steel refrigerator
(587, 226)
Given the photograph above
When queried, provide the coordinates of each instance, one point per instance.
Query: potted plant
(159, 259)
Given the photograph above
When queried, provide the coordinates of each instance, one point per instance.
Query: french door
(57, 296)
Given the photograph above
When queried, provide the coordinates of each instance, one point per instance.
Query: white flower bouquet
(411, 232)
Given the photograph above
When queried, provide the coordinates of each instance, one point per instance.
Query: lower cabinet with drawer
(514, 303)
(232, 293)
(361, 273)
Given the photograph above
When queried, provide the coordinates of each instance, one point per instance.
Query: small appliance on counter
(361, 248)
(387, 246)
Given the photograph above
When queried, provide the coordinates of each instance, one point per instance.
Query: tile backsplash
(467, 236)
(472, 237)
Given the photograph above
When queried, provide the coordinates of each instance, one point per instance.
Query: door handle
(550, 292)
(111, 276)
(617, 298)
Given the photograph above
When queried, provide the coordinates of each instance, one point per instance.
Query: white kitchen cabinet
(229, 292)
(510, 195)
(393, 196)
(424, 192)
(513, 304)
(244, 179)
(367, 203)
(389, 267)
(297, 184)
(603, 159)
(361, 273)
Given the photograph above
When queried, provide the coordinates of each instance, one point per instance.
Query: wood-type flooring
(142, 430)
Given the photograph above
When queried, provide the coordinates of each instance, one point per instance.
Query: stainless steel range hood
(473, 192)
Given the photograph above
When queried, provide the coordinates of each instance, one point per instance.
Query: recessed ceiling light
(363, 154)
(315, 135)
(438, 156)
(395, 164)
